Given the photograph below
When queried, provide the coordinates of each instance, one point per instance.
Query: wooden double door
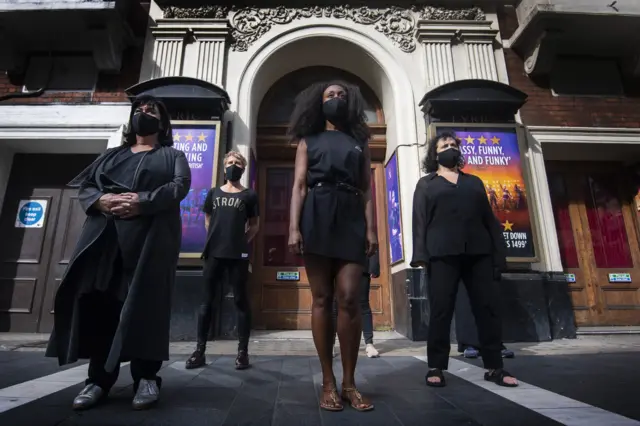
(597, 221)
(33, 259)
(280, 304)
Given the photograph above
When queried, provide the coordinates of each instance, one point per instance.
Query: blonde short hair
(237, 155)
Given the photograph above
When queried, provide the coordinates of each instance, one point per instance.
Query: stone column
(169, 36)
(478, 39)
(207, 61)
(436, 38)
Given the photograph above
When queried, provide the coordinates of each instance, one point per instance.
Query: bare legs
(322, 272)
(349, 318)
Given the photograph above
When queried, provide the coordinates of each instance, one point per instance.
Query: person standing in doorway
(456, 236)
(371, 270)
(331, 223)
(231, 220)
(466, 329)
(114, 301)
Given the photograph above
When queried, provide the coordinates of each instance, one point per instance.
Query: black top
(120, 170)
(453, 219)
(334, 157)
(229, 213)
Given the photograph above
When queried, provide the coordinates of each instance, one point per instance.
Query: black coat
(162, 180)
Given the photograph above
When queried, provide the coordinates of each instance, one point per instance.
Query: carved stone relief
(432, 13)
(398, 24)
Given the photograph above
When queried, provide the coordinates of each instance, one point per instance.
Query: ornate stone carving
(249, 24)
(210, 12)
(398, 24)
(432, 13)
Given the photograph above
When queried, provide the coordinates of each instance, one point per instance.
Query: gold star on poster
(176, 137)
(202, 137)
(495, 140)
(508, 226)
(469, 140)
(483, 140)
(189, 137)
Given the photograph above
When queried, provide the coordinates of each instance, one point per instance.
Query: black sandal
(196, 360)
(497, 377)
(436, 372)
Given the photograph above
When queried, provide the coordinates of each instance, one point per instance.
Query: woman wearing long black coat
(114, 301)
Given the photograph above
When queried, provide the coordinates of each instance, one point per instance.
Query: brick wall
(545, 109)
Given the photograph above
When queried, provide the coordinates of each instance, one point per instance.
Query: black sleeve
(207, 207)
(170, 194)
(495, 229)
(252, 206)
(419, 224)
(374, 264)
(88, 195)
(88, 192)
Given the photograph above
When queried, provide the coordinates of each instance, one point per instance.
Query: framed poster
(492, 152)
(200, 141)
(394, 212)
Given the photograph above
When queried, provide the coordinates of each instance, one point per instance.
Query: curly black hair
(308, 119)
(165, 136)
(430, 162)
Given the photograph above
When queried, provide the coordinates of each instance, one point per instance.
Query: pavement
(589, 381)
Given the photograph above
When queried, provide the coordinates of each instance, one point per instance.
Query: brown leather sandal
(356, 400)
(330, 400)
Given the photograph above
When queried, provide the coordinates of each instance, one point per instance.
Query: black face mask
(449, 158)
(233, 173)
(335, 110)
(145, 124)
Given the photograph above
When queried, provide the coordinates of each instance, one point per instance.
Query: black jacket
(454, 219)
(162, 180)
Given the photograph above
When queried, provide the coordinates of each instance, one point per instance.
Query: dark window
(580, 76)
(66, 73)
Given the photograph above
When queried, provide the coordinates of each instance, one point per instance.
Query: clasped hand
(124, 206)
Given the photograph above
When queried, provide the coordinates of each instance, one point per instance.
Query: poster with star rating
(199, 144)
(493, 154)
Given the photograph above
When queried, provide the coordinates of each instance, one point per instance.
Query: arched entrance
(286, 304)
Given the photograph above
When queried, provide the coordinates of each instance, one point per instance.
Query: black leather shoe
(196, 360)
(242, 360)
(89, 397)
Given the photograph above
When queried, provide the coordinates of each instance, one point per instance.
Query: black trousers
(106, 314)
(237, 272)
(365, 307)
(444, 275)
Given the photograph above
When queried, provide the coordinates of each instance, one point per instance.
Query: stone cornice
(455, 31)
(249, 24)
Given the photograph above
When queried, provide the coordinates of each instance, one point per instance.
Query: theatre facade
(229, 75)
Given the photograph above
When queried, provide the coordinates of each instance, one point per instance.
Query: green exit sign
(288, 276)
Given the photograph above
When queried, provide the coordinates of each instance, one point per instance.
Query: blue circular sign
(31, 213)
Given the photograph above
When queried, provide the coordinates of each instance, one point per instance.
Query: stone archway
(287, 304)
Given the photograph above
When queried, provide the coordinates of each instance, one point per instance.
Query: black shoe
(242, 360)
(196, 360)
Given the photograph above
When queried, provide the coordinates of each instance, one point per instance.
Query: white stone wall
(445, 50)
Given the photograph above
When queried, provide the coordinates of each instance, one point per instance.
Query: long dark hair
(308, 119)
(430, 162)
(165, 136)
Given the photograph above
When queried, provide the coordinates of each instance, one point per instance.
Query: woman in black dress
(456, 236)
(331, 222)
(114, 301)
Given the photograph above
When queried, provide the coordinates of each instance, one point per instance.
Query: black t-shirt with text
(229, 213)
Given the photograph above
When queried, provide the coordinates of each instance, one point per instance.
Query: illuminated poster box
(492, 152)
